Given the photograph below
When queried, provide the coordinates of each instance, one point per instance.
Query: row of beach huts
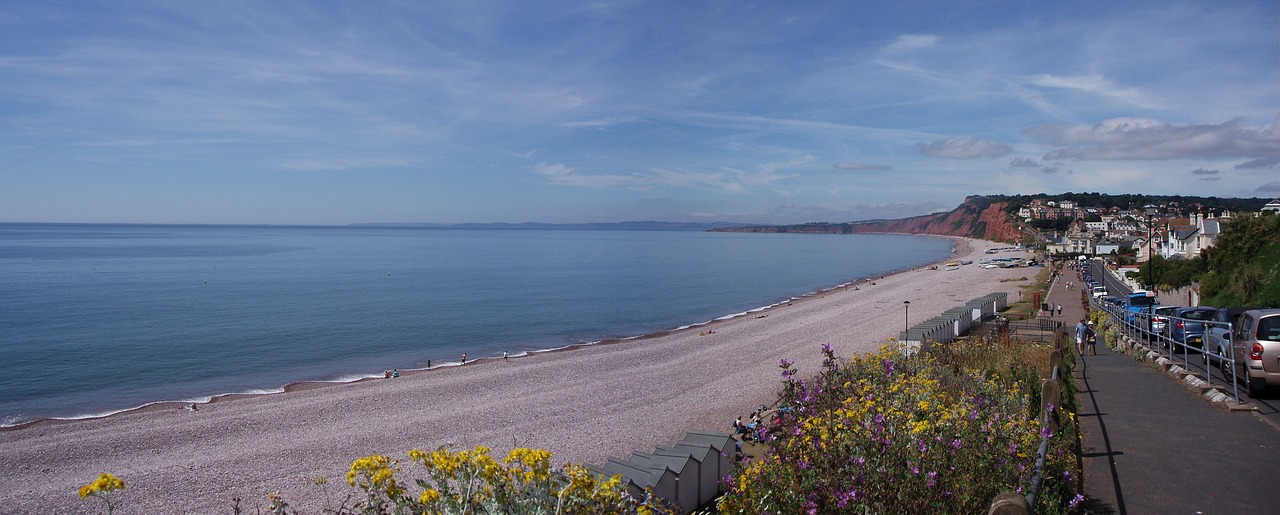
(688, 474)
(953, 322)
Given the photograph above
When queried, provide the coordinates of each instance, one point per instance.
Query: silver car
(1255, 340)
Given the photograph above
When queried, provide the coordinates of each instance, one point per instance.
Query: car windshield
(1141, 300)
(1198, 315)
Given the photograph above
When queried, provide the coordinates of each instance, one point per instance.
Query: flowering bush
(472, 481)
(468, 481)
(101, 489)
(887, 433)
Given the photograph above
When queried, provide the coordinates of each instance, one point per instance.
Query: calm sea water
(98, 318)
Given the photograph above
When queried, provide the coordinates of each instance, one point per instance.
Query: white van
(1099, 291)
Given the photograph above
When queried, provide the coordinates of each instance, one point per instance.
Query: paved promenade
(1152, 445)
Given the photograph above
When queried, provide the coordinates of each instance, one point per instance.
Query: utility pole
(1151, 263)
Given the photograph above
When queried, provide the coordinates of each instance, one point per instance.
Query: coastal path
(1151, 445)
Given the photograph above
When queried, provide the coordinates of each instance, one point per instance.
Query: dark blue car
(1186, 325)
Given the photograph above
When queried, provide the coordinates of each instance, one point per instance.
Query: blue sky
(754, 112)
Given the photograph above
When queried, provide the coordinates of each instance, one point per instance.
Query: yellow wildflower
(104, 484)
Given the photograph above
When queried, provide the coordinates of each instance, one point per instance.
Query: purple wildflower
(1075, 501)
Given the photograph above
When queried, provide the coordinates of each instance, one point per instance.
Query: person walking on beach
(464, 358)
(1082, 332)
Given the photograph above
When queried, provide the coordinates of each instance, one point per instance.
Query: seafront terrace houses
(1187, 238)
(1074, 244)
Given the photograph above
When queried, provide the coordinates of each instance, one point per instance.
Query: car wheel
(1255, 390)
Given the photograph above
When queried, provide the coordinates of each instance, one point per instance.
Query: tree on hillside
(1244, 264)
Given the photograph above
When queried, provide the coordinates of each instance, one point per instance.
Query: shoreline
(960, 246)
(601, 400)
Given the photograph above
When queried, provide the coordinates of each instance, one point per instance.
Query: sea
(99, 319)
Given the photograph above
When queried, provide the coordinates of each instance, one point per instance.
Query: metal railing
(1156, 331)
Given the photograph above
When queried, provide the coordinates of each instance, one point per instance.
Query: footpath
(1152, 445)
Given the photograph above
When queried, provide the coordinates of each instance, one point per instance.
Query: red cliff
(976, 217)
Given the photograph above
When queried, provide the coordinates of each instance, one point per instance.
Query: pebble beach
(583, 404)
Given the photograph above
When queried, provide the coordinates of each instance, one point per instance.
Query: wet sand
(583, 404)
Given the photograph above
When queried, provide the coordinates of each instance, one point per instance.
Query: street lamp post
(1151, 265)
(906, 315)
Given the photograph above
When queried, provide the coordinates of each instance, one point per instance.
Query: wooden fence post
(1009, 503)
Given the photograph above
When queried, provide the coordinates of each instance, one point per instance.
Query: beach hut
(722, 445)
(686, 476)
(707, 466)
(962, 318)
(662, 481)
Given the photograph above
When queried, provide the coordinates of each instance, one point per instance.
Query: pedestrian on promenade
(1082, 332)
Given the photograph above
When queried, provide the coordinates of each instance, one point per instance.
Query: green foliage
(1133, 201)
(1052, 224)
(893, 433)
(1244, 264)
(1173, 273)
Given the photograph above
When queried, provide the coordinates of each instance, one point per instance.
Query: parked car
(1160, 318)
(1187, 327)
(1099, 291)
(1139, 306)
(1217, 332)
(1255, 340)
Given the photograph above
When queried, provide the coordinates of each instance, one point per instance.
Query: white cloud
(964, 147)
(906, 42)
(552, 170)
(1097, 85)
(1140, 138)
(849, 165)
(600, 123)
